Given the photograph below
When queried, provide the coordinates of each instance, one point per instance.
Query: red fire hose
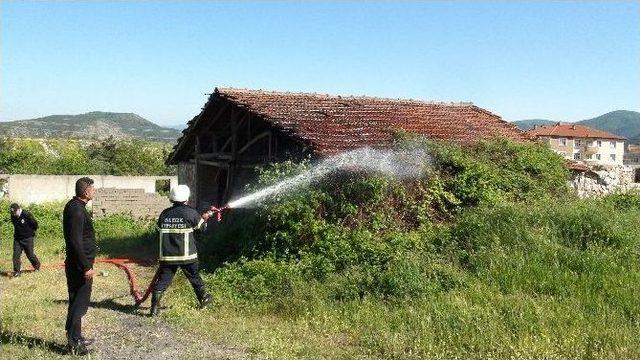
(138, 297)
(133, 288)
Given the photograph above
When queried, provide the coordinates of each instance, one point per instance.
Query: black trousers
(167, 272)
(79, 298)
(25, 245)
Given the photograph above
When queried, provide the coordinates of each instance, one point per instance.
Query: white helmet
(179, 193)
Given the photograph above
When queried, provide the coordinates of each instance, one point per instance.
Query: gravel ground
(129, 333)
(137, 337)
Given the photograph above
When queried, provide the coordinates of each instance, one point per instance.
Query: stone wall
(602, 180)
(134, 202)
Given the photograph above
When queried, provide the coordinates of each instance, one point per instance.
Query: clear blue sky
(563, 61)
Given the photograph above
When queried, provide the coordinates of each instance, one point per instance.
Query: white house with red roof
(582, 143)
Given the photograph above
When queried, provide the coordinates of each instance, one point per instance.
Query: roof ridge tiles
(227, 90)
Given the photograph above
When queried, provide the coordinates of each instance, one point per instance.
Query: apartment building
(582, 143)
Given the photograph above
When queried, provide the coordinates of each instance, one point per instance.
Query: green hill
(530, 123)
(621, 122)
(93, 125)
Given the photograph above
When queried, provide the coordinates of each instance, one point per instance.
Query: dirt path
(137, 337)
(128, 332)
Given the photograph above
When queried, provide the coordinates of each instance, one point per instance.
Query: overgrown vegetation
(488, 256)
(101, 157)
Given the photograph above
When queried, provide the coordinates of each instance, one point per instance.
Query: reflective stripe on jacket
(177, 244)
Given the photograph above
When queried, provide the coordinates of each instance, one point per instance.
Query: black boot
(204, 299)
(86, 341)
(155, 302)
(78, 347)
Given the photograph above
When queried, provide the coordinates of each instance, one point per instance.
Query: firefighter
(177, 247)
(24, 232)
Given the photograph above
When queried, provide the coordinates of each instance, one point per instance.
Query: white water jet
(403, 163)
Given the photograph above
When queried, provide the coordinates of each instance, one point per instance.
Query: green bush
(257, 280)
(493, 171)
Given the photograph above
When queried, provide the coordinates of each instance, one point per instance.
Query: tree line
(108, 156)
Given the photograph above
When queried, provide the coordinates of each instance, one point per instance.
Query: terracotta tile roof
(331, 124)
(572, 131)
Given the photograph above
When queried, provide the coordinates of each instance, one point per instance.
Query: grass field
(546, 281)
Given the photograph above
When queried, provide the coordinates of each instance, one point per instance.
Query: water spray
(409, 162)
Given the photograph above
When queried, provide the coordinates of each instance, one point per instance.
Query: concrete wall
(28, 189)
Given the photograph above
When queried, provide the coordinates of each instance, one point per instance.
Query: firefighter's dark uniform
(177, 249)
(25, 227)
(80, 241)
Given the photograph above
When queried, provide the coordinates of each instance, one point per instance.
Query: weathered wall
(28, 189)
(187, 176)
(134, 202)
(603, 180)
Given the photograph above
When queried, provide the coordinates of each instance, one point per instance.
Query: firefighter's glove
(206, 215)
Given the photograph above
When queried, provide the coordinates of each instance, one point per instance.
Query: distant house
(581, 143)
(632, 159)
(632, 155)
(238, 130)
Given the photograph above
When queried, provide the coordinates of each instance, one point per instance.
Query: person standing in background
(24, 232)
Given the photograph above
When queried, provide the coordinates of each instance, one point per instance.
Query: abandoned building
(238, 130)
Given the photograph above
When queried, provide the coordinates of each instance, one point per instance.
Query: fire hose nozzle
(218, 211)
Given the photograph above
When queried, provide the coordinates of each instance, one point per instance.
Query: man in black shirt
(24, 232)
(80, 242)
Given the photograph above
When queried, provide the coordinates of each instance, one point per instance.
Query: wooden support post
(235, 121)
(196, 177)
(275, 146)
(269, 157)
